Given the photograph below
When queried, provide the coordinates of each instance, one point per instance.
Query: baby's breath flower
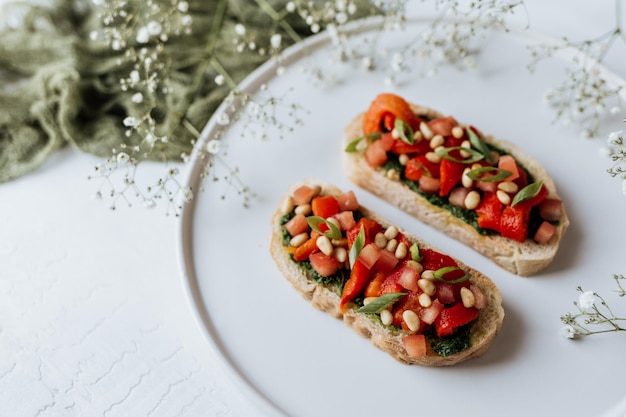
(213, 146)
(587, 300)
(568, 332)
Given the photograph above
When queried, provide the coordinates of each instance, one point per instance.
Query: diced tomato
(452, 317)
(545, 232)
(550, 209)
(408, 278)
(324, 206)
(297, 224)
(415, 345)
(370, 226)
(345, 219)
(303, 195)
(375, 154)
(489, 212)
(416, 167)
(514, 223)
(417, 148)
(383, 106)
(303, 251)
(450, 174)
(387, 140)
(522, 181)
(359, 278)
(390, 284)
(487, 186)
(429, 185)
(443, 125)
(536, 200)
(323, 264)
(369, 255)
(429, 314)
(386, 262)
(480, 301)
(507, 163)
(348, 201)
(445, 292)
(434, 260)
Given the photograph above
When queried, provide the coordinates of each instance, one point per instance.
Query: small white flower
(315, 28)
(614, 137)
(240, 29)
(389, 81)
(149, 203)
(219, 80)
(93, 35)
(143, 36)
(122, 158)
(290, 7)
(276, 40)
(352, 8)
(213, 146)
(368, 63)
(280, 70)
(396, 61)
(615, 109)
(130, 121)
(116, 45)
(223, 119)
(605, 151)
(568, 331)
(134, 76)
(154, 28)
(341, 18)
(186, 20)
(586, 300)
(183, 6)
(187, 194)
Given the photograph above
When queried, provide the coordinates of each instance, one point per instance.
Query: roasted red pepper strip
(377, 118)
(359, 278)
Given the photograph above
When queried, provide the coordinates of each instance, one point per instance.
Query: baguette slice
(522, 259)
(386, 338)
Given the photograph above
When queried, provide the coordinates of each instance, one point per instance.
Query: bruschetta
(410, 299)
(482, 191)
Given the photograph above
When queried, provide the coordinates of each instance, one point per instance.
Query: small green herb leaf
(404, 131)
(443, 271)
(357, 245)
(478, 144)
(527, 192)
(381, 303)
(354, 145)
(333, 231)
(500, 174)
(474, 155)
(415, 252)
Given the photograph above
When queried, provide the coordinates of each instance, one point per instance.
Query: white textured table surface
(93, 318)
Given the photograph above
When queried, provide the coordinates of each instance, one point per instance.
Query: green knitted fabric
(59, 85)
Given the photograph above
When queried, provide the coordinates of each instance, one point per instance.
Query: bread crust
(524, 259)
(386, 338)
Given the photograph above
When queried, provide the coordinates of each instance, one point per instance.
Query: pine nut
(395, 134)
(386, 317)
(340, 253)
(433, 157)
(466, 180)
(287, 206)
(323, 243)
(392, 244)
(427, 286)
(298, 240)
(467, 297)
(403, 159)
(343, 242)
(427, 133)
(391, 232)
(428, 274)
(334, 221)
(415, 265)
(380, 240)
(436, 141)
(304, 209)
(401, 251)
(411, 320)
(317, 190)
(503, 197)
(472, 200)
(457, 132)
(368, 300)
(425, 300)
(417, 136)
(393, 175)
(508, 187)
(465, 144)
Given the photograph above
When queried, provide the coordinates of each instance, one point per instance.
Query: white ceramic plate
(294, 360)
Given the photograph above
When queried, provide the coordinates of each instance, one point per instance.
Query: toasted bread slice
(388, 338)
(524, 259)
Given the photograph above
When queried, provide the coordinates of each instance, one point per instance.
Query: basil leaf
(476, 174)
(527, 192)
(333, 231)
(478, 144)
(354, 145)
(403, 129)
(357, 245)
(443, 271)
(415, 252)
(381, 303)
(474, 155)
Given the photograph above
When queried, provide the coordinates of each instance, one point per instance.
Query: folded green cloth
(60, 85)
